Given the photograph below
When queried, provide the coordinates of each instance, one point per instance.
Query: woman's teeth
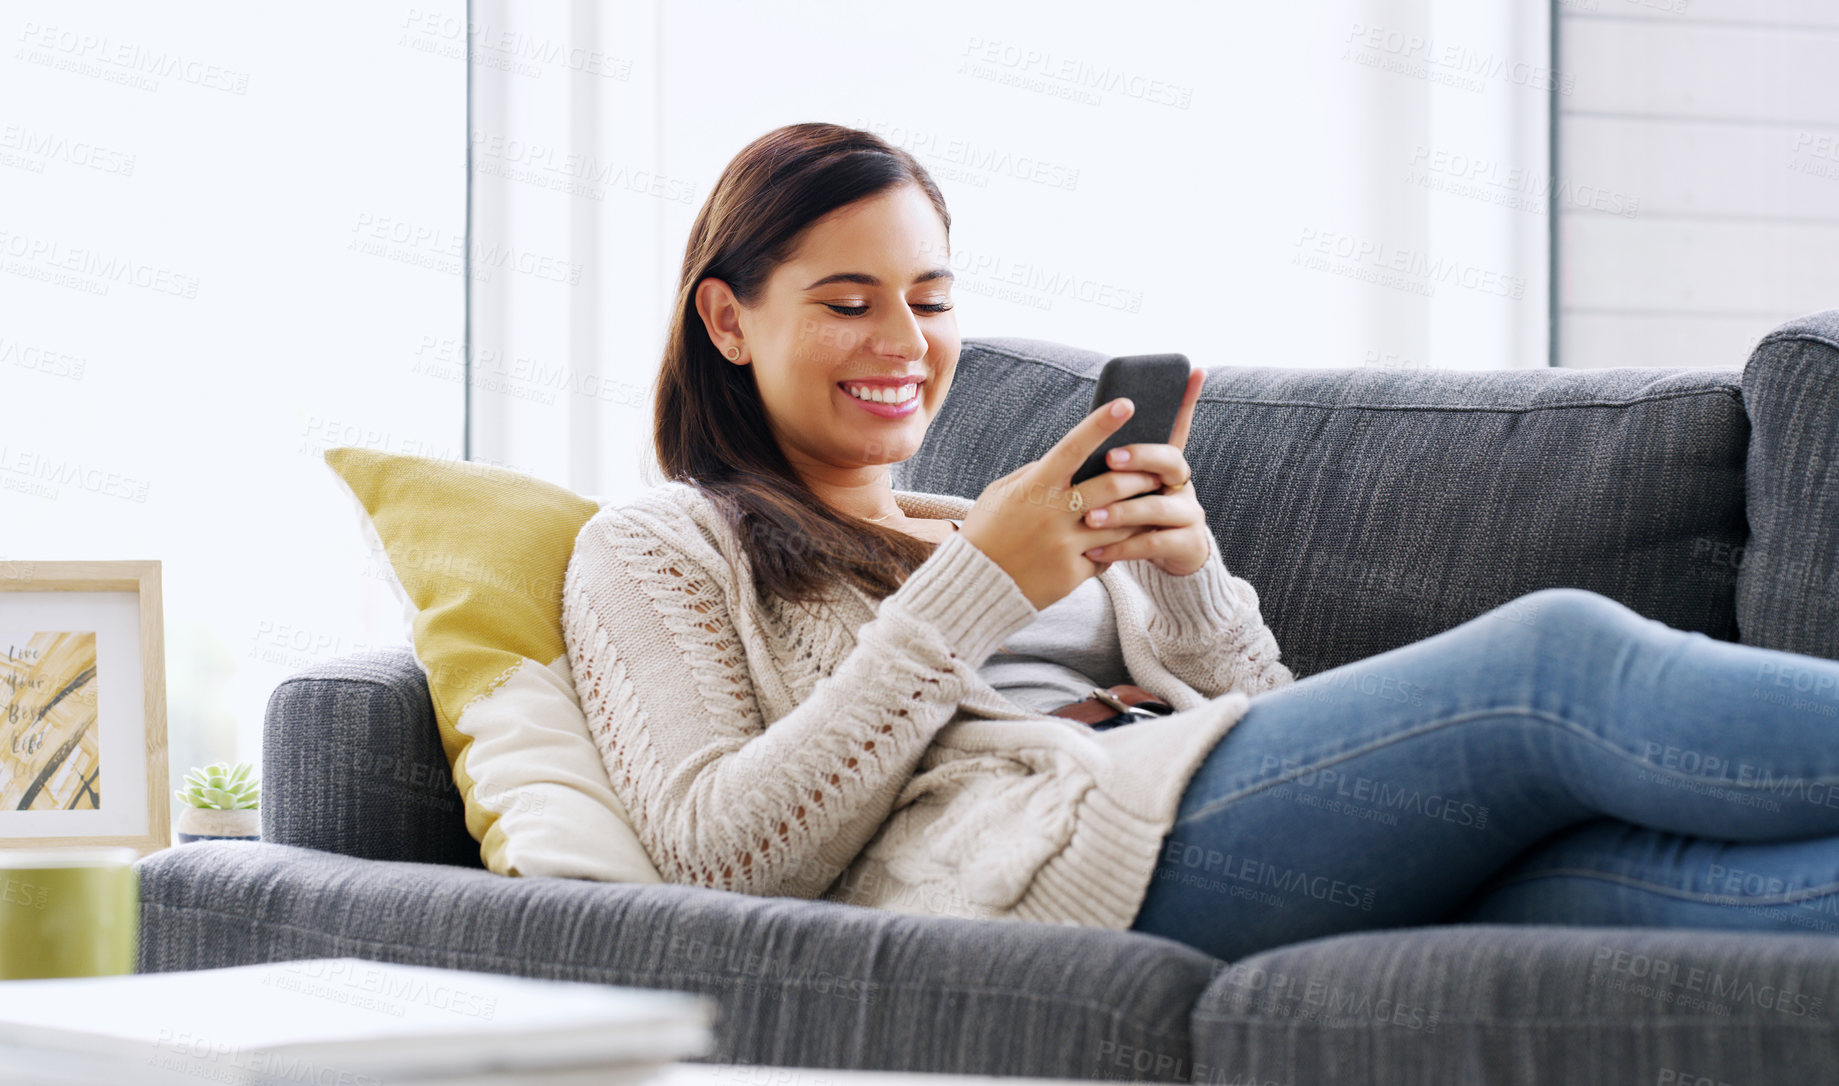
(875, 394)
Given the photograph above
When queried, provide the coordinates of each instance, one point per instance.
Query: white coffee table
(736, 1074)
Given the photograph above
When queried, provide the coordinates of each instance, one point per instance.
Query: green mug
(68, 912)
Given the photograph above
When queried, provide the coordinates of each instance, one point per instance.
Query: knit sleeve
(718, 797)
(1207, 629)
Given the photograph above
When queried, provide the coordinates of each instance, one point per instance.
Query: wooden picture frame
(83, 706)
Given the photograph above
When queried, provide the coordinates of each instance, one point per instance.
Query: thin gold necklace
(875, 520)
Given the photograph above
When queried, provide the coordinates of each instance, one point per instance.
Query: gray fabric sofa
(1370, 508)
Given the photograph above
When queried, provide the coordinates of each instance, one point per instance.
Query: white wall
(263, 212)
(1333, 184)
(1702, 152)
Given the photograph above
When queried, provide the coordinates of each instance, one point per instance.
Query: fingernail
(1120, 409)
(1094, 553)
(1099, 516)
(1120, 456)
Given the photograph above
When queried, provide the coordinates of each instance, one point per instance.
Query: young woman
(807, 683)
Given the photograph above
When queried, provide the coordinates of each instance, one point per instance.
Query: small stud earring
(733, 353)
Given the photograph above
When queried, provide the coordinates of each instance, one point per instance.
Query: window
(1284, 185)
(227, 244)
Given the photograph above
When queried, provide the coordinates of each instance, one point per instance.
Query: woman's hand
(1029, 521)
(1172, 527)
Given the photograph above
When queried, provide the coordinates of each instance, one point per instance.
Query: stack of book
(342, 1022)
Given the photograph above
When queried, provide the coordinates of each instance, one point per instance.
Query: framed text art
(82, 706)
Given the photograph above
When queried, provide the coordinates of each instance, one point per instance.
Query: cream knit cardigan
(850, 751)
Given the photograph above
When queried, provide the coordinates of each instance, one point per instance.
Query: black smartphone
(1154, 384)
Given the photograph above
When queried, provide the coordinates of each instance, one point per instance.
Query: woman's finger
(1057, 465)
(1175, 550)
(1149, 543)
(1164, 461)
(1117, 484)
(1178, 436)
(1154, 510)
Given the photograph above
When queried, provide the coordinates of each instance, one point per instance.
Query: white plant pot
(210, 824)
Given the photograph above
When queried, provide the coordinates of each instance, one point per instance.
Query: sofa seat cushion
(798, 983)
(1524, 1006)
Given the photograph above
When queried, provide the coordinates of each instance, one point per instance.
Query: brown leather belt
(1115, 705)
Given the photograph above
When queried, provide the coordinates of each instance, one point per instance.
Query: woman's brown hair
(709, 427)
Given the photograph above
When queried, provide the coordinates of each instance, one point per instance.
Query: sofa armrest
(1524, 1006)
(352, 763)
(1788, 572)
(797, 983)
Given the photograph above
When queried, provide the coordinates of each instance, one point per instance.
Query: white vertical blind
(568, 300)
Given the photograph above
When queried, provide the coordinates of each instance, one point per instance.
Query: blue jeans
(1559, 759)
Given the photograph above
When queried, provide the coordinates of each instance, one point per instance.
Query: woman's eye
(858, 310)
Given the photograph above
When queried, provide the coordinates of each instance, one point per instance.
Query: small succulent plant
(221, 786)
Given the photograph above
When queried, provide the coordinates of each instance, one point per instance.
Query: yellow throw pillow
(479, 555)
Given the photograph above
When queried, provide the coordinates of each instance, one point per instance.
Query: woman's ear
(721, 318)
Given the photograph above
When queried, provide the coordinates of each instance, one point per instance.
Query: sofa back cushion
(1374, 508)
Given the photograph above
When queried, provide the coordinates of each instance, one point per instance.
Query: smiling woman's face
(863, 303)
